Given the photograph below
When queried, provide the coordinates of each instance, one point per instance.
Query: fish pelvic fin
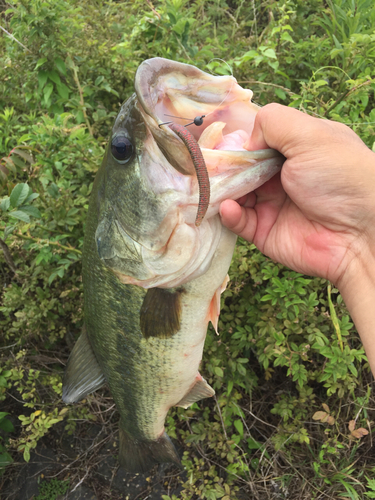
(82, 373)
(200, 390)
(160, 312)
(137, 455)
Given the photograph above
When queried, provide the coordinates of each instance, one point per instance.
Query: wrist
(357, 287)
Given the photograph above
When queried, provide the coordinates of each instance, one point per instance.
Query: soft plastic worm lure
(200, 168)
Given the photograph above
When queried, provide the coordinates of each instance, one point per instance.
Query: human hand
(318, 215)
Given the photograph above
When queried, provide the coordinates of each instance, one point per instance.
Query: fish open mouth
(177, 93)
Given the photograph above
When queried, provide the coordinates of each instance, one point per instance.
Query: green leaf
(248, 56)
(26, 455)
(40, 62)
(280, 94)
(5, 459)
(19, 194)
(336, 42)
(52, 277)
(239, 427)
(53, 190)
(270, 53)
(172, 17)
(320, 341)
(53, 75)
(33, 211)
(48, 91)
(266, 297)
(60, 65)
(370, 483)
(320, 83)
(42, 78)
(4, 205)
(63, 91)
(31, 197)
(8, 230)
(286, 37)
(99, 80)
(24, 138)
(218, 371)
(3, 414)
(20, 215)
(241, 369)
(229, 387)
(353, 369)
(6, 425)
(253, 445)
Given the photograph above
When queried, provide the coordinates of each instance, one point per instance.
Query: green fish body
(152, 278)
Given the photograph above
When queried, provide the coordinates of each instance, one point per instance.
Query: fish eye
(121, 148)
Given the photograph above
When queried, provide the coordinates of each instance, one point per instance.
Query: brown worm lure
(200, 168)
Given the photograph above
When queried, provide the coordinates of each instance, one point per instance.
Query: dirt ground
(88, 461)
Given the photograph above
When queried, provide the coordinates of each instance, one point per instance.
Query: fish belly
(181, 355)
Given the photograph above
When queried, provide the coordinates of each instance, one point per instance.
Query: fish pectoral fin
(160, 312)
(214, 310)
(82, 373)
(200, 390)
(138, 455)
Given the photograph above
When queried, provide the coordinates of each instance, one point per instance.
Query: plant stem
(270, 85)
(42, 242)
(334, 318)
(343, 96)
(8, 256)
(55, 231)
(76, 79)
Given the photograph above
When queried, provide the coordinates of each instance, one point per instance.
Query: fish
(152, 274)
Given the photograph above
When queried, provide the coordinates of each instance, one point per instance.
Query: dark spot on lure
(199, 164)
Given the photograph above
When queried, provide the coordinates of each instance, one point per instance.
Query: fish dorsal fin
(160, 312)
(82, 373)
(200, 390)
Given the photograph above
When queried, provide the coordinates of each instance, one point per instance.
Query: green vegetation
(50, 490)
(294, 400)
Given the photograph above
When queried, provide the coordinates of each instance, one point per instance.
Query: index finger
(281, 128)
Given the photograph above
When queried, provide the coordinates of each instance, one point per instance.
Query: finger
(240, 220)
(281, 128)
(248, 200)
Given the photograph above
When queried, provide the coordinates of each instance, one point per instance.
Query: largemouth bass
(153, 275)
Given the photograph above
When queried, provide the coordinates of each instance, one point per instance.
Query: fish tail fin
(137, 455)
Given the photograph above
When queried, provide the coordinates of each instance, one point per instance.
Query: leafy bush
(290, 373)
